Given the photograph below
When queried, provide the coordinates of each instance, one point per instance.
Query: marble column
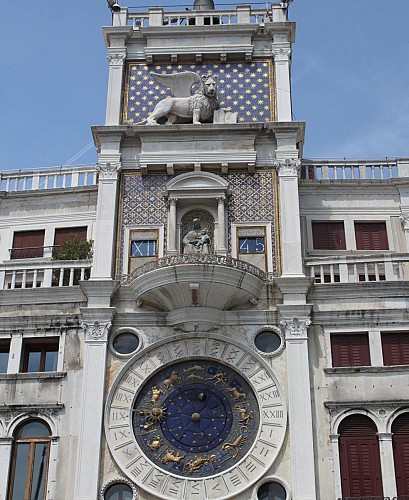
(221, 234)
(281, 54)
(172, 227)
(387, 464)
(299, 405)
(90, 424)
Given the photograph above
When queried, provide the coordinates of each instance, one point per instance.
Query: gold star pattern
(242, 87)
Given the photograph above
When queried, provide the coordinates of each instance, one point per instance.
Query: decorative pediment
(193, 184)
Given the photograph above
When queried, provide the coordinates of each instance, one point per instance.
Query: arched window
(31, 449)
(400, 441)
(359, 457)
(118, 491)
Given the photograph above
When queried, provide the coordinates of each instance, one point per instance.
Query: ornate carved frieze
(288, 167)
(295, 327)
(96, 330)
(108, 170)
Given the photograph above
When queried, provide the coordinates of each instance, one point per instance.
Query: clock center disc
(196, 419)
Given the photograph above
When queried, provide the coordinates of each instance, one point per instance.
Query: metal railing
(358, 268)
(43, 275)
(350, 170)
(50, 178)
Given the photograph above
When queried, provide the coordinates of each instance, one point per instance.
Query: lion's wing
(180, 84)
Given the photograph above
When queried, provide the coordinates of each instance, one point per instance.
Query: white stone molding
(96, 330)
(281, 53)
(108, 170)
(295, 328)
(117, 480)
(275, 479)
(288, 168)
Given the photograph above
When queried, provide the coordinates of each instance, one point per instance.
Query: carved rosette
(116, 59)
(295, 328)
(108, 170)
(288, 167)
(281, 53)
(96, 330)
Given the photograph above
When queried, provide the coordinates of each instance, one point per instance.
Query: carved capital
(221, 199)
(96, 330)
(404, 219)
(116, 59)
(108, 170)
(288, 167)
(281, 53)
(295, 327)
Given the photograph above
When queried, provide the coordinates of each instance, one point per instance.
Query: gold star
(133, 78)
(139, 72)
(157, 67)
(133, 68)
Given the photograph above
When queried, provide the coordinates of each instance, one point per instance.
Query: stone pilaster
(116, 58)
(172, 227)
(5, 457)
(387, 464)
(221, 219)
(282, 57)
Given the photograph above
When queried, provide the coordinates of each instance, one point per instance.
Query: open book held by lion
(197, 108)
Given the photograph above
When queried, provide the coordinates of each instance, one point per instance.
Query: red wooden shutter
(350, 350)
(27, 244)
(359, 457)
(371, 236)
(328, 235)
(395, 347)
(400, 442)
(62, 235)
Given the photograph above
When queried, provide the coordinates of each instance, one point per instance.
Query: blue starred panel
(243, 87)
(253, 199)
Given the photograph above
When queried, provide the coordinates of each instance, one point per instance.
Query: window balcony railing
(358, 268)
(354, 170)
(47, 274)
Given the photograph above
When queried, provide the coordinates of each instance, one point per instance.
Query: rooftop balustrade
(354, 170)
(242, 14)
(16, 181)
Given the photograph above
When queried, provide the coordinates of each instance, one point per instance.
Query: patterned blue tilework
(242, 87)
(252, 200)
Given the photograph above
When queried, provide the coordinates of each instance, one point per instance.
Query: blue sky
(350, 79)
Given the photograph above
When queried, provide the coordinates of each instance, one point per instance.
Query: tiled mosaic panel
(242, 87)
(252, 200)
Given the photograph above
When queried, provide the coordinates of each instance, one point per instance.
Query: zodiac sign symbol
(156, 443)
(194, 368)
(219, 377)
(198, 461)
(153, 415)
(233, 448)
(244, 416)
(236, 394)
(171, 457)
(193, 376)
(172, 380)
(155, 394)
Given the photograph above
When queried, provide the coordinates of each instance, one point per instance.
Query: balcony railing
(47, 274)
(354, 170)
(50, 178)
(243, 14)
(358, 268)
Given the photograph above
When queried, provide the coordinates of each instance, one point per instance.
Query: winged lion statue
(198, 107)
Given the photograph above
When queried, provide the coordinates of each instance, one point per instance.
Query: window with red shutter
(359, 457)
(400, 442)
(350, 349)
(328, 235)
(371, 236)
(62, 235)
(28, 244)
(395, 348)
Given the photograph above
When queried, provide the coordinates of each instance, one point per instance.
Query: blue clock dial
(196, 419)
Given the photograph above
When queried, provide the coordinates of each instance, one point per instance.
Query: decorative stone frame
(267, 226)
(127, 241)
(117, 480)
(126, 329)
(274, 479)
(273, 329)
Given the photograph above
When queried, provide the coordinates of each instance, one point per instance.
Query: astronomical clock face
(195, 417)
